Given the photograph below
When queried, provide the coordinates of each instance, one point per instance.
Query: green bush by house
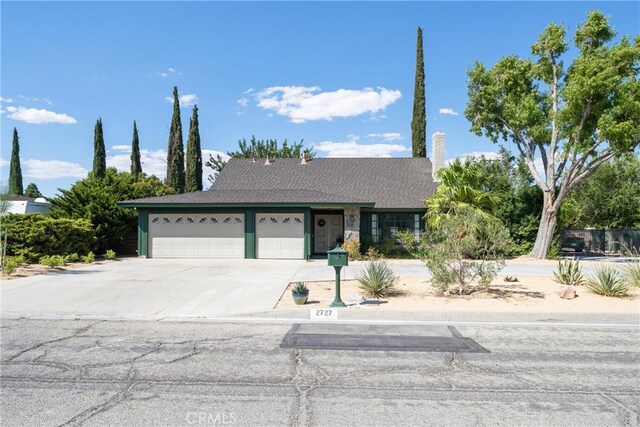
(37, 235)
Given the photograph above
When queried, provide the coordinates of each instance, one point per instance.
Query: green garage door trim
(250, 225)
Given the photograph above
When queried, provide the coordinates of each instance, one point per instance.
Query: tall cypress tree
(175, 150)
(99, 152)
(419, 120)
(136, 165)
(193, 180)
(15, 170)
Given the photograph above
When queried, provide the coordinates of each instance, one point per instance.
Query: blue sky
(338, 75)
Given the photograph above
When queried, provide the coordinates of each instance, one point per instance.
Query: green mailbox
(338, 257)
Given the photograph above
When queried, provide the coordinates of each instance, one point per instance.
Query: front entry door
(327, 230)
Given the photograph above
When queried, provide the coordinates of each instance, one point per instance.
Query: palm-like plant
(377, 280)
(462, 185)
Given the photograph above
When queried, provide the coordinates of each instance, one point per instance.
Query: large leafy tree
(260, 149)
(462, 186)
(574, 119)
(519, 198)
(96, 199)
(175, 150)
(608, 198)
(419, 120)
(32, 191)
(15, 170)
(136, 164)
(99, 152)
(193, 181)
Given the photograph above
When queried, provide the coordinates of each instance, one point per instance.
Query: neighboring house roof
(385, 183)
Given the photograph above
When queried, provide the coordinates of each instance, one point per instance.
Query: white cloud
(168, 71)
(7, 100)
(389, 136)
(448, 111)
(3, 162)
(243, 101)
(489, 155)
(53, 169)
(39, 116)
(248, 91)
(186, 100)
(27, 99)
(353, 149)
(301, 104)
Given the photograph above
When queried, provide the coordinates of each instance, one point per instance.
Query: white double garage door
(223, 236)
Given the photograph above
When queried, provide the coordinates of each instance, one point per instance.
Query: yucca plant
(377, 280)
(633, 274)
(569, 273)
(608, 282)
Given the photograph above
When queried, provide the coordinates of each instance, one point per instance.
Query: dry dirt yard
(529, 294)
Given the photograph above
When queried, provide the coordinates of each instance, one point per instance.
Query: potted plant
(300, 293)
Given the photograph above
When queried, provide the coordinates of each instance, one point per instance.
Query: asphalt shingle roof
(390, 183)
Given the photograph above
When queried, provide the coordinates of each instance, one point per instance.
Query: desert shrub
(36, 235)
(110, 254)
(387, 246)
(569, 273)
(633, 274)
(417, 248)
(353, 248)
(458, 235)
(53, 261)
(10, 265)
(74, 257)
(373, 253)
(88, 258)
(608, 282)
(377, 280)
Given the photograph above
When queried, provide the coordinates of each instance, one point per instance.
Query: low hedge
(37, 235)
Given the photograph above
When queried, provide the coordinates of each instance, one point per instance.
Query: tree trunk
(546, 229)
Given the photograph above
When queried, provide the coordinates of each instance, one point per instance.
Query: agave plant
(569, 273)
(633, 274)
(608, 282)
(377, 280)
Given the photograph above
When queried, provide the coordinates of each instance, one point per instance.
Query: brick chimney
(437, 153)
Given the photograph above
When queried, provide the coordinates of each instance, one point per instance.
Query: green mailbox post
(338, 258)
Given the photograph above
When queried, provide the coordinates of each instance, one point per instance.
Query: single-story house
(24, 205)
(287, 208)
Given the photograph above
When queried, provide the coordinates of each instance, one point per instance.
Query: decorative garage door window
(191, 220)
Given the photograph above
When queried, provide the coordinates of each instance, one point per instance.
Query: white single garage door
(196, 236)
(280, 236)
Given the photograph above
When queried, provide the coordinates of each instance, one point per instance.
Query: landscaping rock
(510, 279)
(566, 292)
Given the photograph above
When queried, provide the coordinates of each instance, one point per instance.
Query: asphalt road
(66, 372)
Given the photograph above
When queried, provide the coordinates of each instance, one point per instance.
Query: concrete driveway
(149, 287)
(164, 288)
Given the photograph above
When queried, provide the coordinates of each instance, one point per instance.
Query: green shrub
(36, 235)
(569, 273)
(110, 254)
(88, 258)
(353, 248)
(10, 265)
(53, 261)
(388, 246)
(417, 248)
(554, 249)
(74, 257)
(608, 282)
(366, 243)
(377, 280)
(633, 274)
(459, 235)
